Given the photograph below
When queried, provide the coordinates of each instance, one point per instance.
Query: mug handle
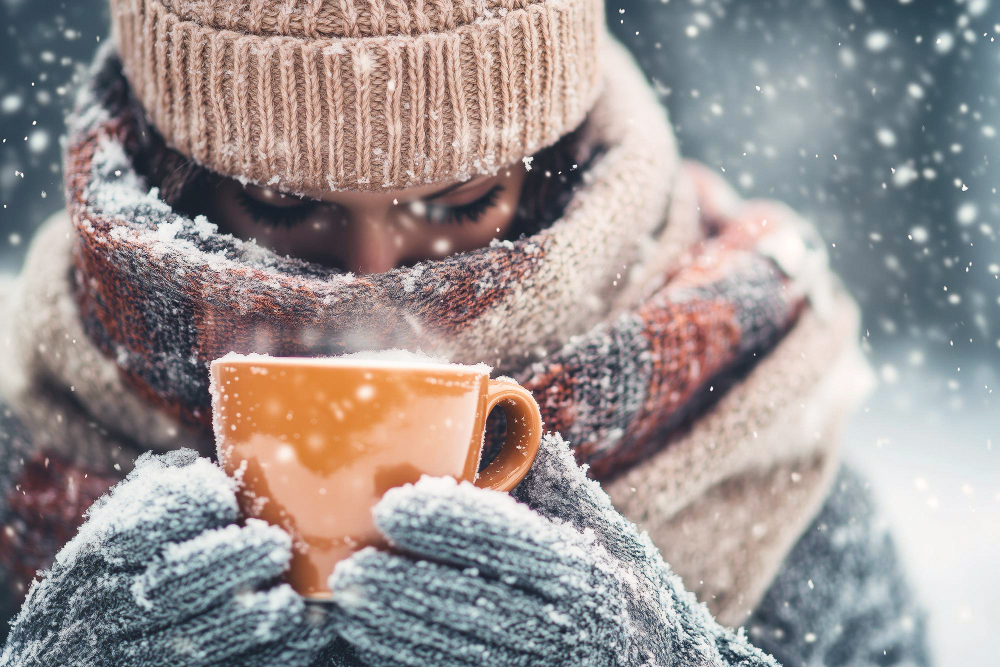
(524, 435)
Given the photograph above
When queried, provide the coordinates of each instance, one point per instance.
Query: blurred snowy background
(879, 119)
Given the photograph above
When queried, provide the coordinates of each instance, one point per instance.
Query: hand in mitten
(160, 574)
(560, 578)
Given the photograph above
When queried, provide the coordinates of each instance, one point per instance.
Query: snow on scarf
(165, 295)
(628, 318)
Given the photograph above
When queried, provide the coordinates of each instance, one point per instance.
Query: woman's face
(366, 232)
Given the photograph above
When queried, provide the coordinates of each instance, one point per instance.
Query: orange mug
(316, 442)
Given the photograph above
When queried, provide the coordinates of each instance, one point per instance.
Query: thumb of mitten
(559, 489)
(555, 477)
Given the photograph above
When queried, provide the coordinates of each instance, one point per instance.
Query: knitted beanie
(317, 95)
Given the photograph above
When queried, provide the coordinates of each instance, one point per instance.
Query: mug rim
(237, 359)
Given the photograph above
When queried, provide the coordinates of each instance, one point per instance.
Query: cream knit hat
(314, 95)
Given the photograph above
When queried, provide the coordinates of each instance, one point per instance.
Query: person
(484, 182)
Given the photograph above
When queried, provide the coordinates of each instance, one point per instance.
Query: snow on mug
(316, 442)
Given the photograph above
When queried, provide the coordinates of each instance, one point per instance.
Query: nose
(372, 246)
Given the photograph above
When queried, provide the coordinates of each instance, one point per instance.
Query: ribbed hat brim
(309, 114)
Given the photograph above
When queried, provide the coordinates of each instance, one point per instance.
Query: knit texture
(767, 438)
(161, 574)
(651, 346)
(559, 578)
(316, 95)
(841, 598)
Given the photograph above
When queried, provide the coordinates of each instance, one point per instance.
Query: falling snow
(878, 120)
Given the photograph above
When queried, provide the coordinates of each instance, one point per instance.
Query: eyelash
(470, 212)
(286, 217)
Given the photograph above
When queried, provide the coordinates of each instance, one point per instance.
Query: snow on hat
(315, 95)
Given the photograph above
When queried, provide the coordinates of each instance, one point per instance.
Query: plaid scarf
(618, 349)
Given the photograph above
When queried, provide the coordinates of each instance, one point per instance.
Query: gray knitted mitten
(160, 574)
(559, 578)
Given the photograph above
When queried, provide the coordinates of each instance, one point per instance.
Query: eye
(285, 216)
(470, 212)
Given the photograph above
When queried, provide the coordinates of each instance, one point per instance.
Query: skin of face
(372, 232)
